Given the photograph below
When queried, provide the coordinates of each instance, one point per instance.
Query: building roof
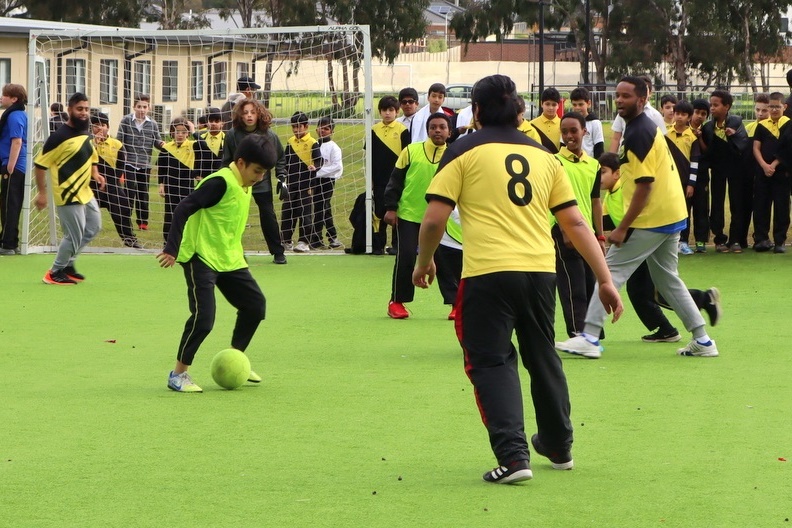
(23, 26)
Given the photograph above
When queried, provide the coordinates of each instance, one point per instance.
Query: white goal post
(323, 71)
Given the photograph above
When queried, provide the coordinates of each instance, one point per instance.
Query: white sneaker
(694, 348)
(182, 383)
(288, 246)
(302, 247)
(684, 249)
(580, 346)
(335, 243)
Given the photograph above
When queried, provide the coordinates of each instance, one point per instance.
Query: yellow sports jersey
(215, 142)
(526, 128)
(773, 126)
(645, 158)
(549, 130)
(684, 141)
(109, 151)
(303, 148)
(750, 128)
(69, 155)
(503, 184)
(184, 152)
(390, 135)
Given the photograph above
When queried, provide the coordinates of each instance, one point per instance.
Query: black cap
(100, 118)
(246, 83)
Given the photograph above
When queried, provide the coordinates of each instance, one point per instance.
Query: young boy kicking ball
(206, 239)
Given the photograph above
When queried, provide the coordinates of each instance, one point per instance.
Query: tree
(121, 13)
(175, 14)
(391, 25)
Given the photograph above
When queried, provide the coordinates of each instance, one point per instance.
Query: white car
(457, 96)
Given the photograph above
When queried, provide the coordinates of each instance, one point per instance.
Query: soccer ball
(230, 368)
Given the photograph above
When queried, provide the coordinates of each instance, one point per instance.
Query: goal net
(320, 71)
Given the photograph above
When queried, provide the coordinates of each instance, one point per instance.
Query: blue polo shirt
(15, 127)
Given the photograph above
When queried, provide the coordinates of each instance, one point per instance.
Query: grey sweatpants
(80, 224)
(659, 250)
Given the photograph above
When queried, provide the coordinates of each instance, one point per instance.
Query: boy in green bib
(206, 239)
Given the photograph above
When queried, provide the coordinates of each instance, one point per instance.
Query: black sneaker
(279, 259)
(662, 336)
(58, 278)
(133, 243)
(73, 274)
(515, 472)
(713, 307)
(764, 245)
(779, 248)
(562, 460)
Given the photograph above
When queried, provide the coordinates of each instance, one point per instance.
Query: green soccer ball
(230, 368)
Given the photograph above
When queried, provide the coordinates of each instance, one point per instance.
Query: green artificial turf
(363, 421)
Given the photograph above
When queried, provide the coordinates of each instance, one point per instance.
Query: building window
(142, 80)
(220, 80)
(170, 80)
(242, 70)
(197, 80)
(75, 76)
(5, 71)
(108, 81)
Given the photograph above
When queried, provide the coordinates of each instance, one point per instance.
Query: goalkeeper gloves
(282, 190)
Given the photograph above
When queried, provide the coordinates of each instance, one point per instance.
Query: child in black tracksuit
(181, 162)
(303, 157)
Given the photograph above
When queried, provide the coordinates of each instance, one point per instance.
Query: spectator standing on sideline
(251, 117)
(179, 166)
(57, 117)
(723, 141)
(246, 89)
(72, 161)
(649, 229)
(772, 183)
(548, 124)
(435, 98)
(303, 158)
(389, 138)
(327, 175)
(111, 165)
(699, 180)
(508, 277)
(214, 137)
(594, 140)
(206, 240)
(13, 158)
(139, 134)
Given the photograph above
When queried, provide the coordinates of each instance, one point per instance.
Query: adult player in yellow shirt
(72, 161)
(649, 230)
(503, 184)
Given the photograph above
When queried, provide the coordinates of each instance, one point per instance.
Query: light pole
(587, 47)
(448, 51)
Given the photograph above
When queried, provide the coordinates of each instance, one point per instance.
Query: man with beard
(72, 160)
(654, 214)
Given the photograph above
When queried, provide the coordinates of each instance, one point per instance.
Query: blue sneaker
(684, 249)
